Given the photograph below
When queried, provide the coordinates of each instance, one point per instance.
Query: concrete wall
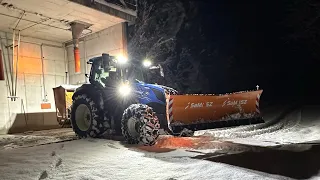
(110, 40)
(30, 85)
(25, 113)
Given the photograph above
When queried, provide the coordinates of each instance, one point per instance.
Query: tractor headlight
(124, 89)
(121, 59)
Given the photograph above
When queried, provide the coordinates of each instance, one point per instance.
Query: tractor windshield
(147, 75)
(135, 73)
(108, 73)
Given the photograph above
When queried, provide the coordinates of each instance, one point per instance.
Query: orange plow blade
(210, 111)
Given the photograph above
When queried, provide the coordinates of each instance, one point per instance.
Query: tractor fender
(94, 93)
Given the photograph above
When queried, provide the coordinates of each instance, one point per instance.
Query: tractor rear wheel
(139, 124)
(86, 117)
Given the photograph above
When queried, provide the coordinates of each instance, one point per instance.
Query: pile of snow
(16, 141)
(298, 126)
(34, 138)
(301, 126)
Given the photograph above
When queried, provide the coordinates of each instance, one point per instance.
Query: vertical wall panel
(30, 81)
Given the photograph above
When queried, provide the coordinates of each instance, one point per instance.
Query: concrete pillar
(125, 39)
(1, 67)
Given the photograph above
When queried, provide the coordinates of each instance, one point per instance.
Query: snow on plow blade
(197, 112)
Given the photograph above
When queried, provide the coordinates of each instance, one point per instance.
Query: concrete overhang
(109, 8)
(50, 19)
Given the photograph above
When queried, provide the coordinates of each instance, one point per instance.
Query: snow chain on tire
(148, 125)
(96, 127)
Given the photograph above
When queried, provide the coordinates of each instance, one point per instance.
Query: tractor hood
(151, 86)
(150, 93)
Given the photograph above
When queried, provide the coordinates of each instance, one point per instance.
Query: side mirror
(87, 75)
(161, 70)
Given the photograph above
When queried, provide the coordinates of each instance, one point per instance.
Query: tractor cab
(111, 72)
(105, 71)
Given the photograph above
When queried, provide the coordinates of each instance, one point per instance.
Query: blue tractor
(116, 102)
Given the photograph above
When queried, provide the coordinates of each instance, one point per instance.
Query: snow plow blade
(205, 111)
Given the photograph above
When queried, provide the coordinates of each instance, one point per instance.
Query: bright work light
(121, 59)
(124, 89)
(147, 63)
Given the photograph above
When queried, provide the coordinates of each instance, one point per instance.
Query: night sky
(241, 44)
(251, 37)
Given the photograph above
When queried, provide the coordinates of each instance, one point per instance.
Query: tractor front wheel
(139, 124)
(86, 119)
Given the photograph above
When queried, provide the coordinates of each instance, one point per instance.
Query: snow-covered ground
(229, 153)
(105, 159)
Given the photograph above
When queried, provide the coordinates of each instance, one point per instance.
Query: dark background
(221, 46)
